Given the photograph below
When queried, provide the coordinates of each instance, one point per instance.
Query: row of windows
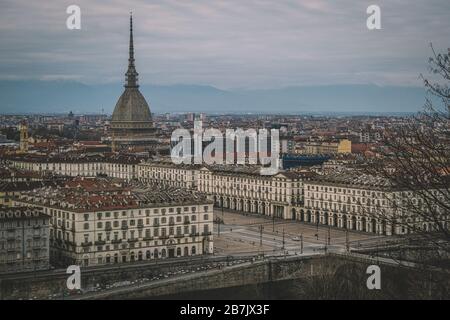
(23, 222)
(116, 214)
(140, 222)
(180, 231)
(149, 254)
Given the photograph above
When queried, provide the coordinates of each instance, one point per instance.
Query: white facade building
(95, 221)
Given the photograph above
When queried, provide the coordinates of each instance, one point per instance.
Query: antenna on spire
(131, 75)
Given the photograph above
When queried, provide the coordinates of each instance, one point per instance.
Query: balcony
(186, 222)
(133, 240)
(124, 227)
(108, 228)
(140, 225)
(148, 238)
(100, 242)
(86, 244)
(116, 241)
(206, 233)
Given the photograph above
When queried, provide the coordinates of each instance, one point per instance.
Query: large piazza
(342, 199)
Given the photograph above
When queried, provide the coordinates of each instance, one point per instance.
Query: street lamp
(218, 226)
(329, 235)
(317, 228)
(347, 244)
(301, 243)
(261, 228)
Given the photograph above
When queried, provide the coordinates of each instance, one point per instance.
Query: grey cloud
(227, 44)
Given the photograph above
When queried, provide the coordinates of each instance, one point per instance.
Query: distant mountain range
(63, 96)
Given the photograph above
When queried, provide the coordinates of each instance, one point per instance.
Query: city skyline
(315, 56)
(198, 150)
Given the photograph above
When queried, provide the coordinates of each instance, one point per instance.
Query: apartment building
(99, 221)
(24, 239)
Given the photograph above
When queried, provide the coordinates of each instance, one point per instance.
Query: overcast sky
(227, 44)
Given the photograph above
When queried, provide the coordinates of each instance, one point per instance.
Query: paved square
(241, 233)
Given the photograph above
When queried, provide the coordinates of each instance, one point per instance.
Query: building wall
(268, 195)
(24, 241)
(86, 169)
(345, 146)
(185, 177)
(100, 237)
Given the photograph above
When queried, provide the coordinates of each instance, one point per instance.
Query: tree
(415, 161)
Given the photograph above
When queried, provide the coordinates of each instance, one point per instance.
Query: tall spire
(131, 77)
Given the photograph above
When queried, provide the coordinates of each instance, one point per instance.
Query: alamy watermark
(374, 20)
(374, 280)
(74, 280)
(235, 147)
(73, 21)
